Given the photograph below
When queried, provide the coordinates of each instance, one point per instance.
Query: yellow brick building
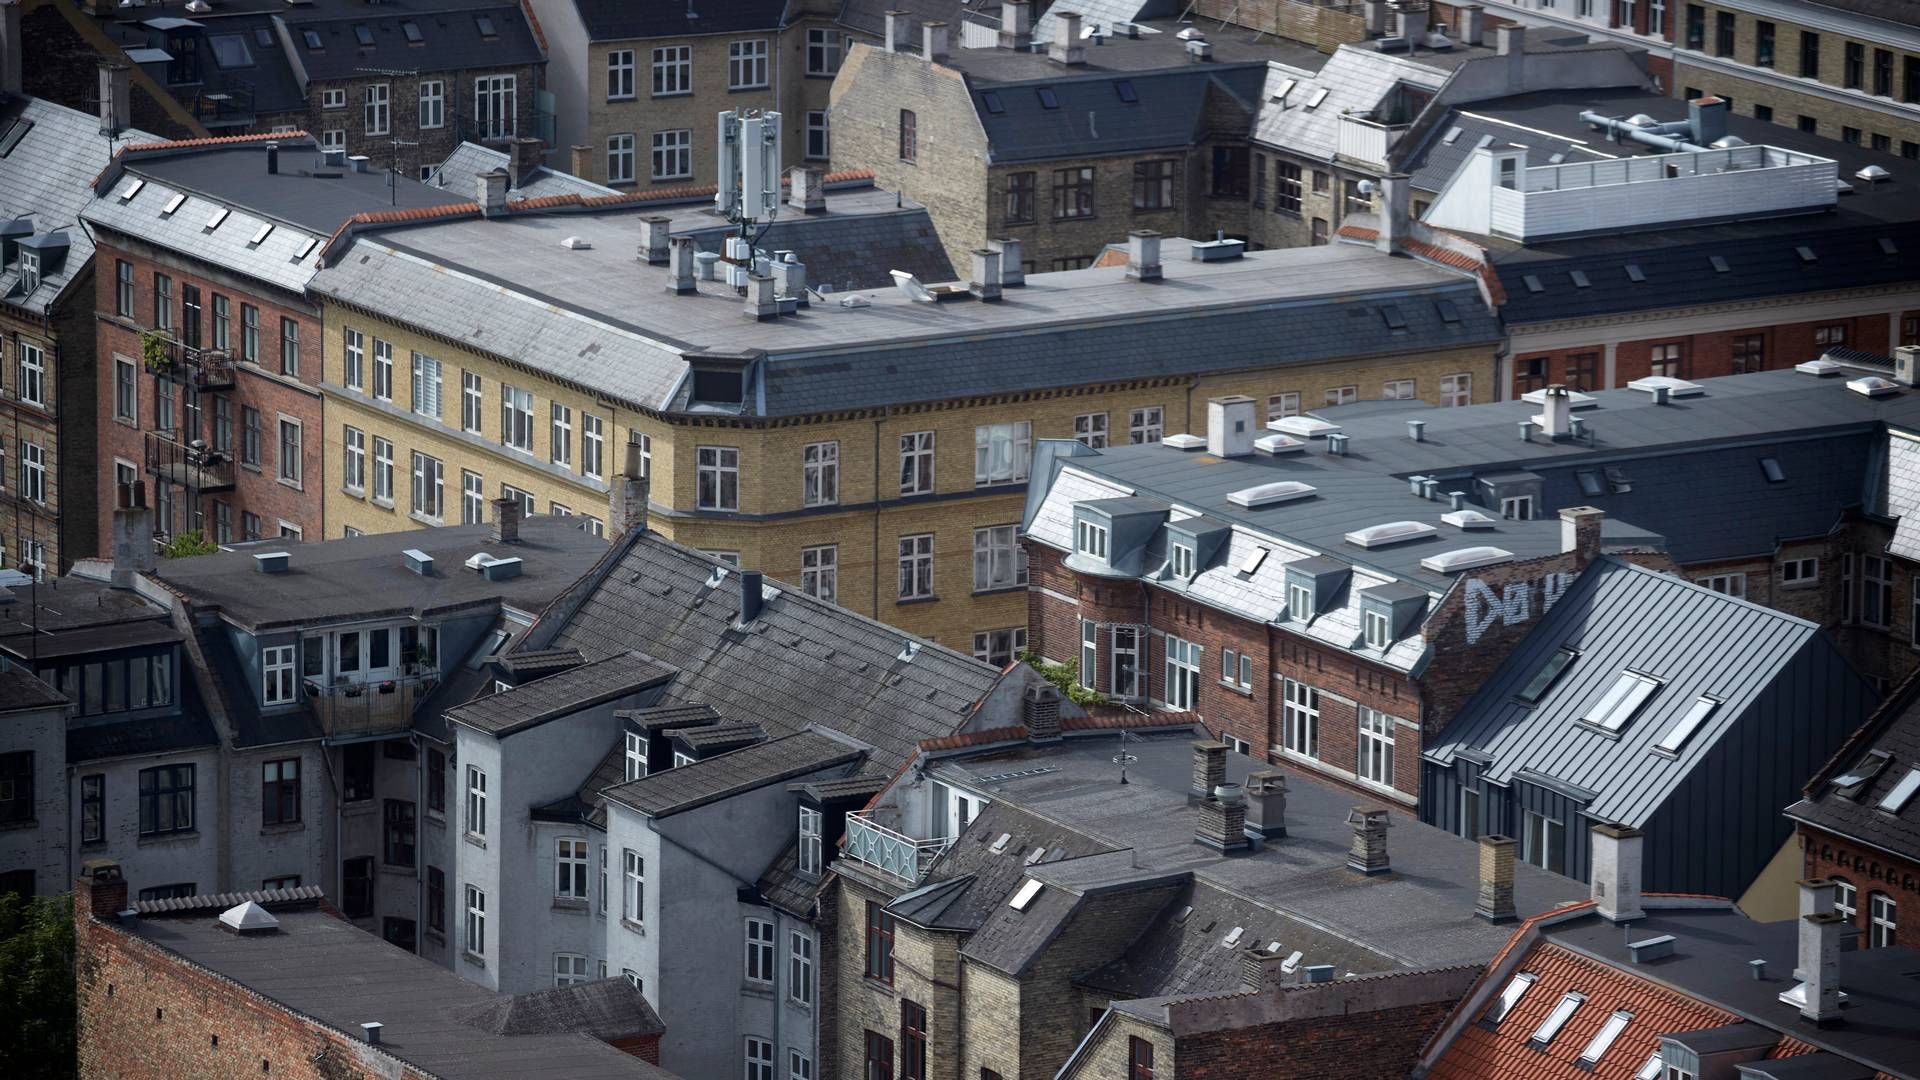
(858, 454)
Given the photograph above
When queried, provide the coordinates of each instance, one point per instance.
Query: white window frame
(496, 105)
(620, 158)
(1800, 572)
(428, 382)
(1280, 406)
(1089, 672)
(717, 478)
(819, 135)
(1883, 920)
(1090, 539)
(820, 571)
(999, 558)
(382, 470)
(571, 864)
(476, 922)
(1183, 673)
(1543, 838)
(917, 475)
(1377, 628)
(472, 402)
(672, 154)
(758, 951)
(672, 70)
(747, 64)
(593, 446)
(569, 968)
(1132, 688)
(473, 498)
(620, 65)
(353, 442)
(1734, 584)
(1876, 579)
(1341, 395)
(1456, 390)
(999, 647)
(810, 855)
(433, 104)
(1300, 719)
(289, 467)
(1091, 430)
(278, 684)
(800, 987)
(476, 822)
(377, 108)
(1375, 764)
(1516, 508)
(560, 434)
(636, 755)
(1146, 425)
(382, 369)
(915, 561)
(820, 474)
(333, 98)
(429, 492)
(32, 383)
(33, 472)
(1300, 601)
(633, 886)
(353, 359)
(757, 1059)
(516, 418)
(1399, 390)
(1180, 560)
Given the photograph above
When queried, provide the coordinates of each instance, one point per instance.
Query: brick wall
(1868, 870)
(430, 145)
(1053, 1015)
(1109, 1055)
(926, 970)
(1360, 1045)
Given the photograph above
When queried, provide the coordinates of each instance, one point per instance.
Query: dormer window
(1090, 539)
(636, 755)
(1180, 561)
(29, 271)
(1377, 628)
(681, 758)
(809, 856)
(1300, 601)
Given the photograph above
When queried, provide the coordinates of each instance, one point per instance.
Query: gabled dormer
(1390, 613)
(1314, 586)
(1111, 536)
(1192, 546)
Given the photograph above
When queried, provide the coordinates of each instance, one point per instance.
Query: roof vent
(1270, 494)
(1337, 443)
(418, 561)
(1575, 399)
(1820, 368)
(1653, 948)
(1302, 427)
(371, 1031)
(1678, 388)
(908, 650)
(248, 918)
(1873, 386)
(1471, 558)
(1873, 174)
(1417, 430)
(1184, 442)
(272, 562)
(1393, 532)
(1277, 444)
(502, 569)
(1469, 519)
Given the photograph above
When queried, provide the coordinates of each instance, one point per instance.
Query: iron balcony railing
(192, 466)
(888, 851)
(208, 369)
(348, 708)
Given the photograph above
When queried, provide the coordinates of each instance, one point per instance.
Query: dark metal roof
(714, 778)
(1078, 115)
(237, 174)
(786, 888)
(450, 40)
(528, 705)
(618, 20)
(112, 637)
(851, 251)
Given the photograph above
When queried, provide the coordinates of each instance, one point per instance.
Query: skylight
(1888, 247)
(1861, 774)
(1452, 135)
(1676, 388)
(1469, 519)
(1036, 855)
(1719, 264)
(1028, 890)
(363, 34)
(1806, 254)
(1048, 99)
(1233, 937)
(1319, 96)
(133, 188)
(1292, 961)
(1635, 274)
(1471, 558)
(312, 38)
(1590, 482)
(412, 30)
(14, 133)
(1269, 494)
(1278, 444)
(1533, 283)
(1622, 701)
(219, 216)
(1683, 728)
(1603, 1039)
(1770, 468)
(1509, 997)
(1000, 843)
(1575, 399)
(1563, 1011)
(1449, 313)
(265, 231)
(1393, 532)
(305, 248)
(173, 204)
(485, 23)
(1286, 87)
(1896, 800)
(1253, 560)
(1395, 320)
(1124, 88)
(1549, 673)
(1305, 427)
(1651, 1070)
(992, 101)
(1579, 279)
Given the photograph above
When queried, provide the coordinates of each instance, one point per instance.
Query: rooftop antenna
(1124, 759)
(749, 184)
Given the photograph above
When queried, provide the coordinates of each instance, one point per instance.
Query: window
(1180, 560)
(1856, 65)
(1089, 653)
(633, 886)
(166, 799)
(759, 958)
(433, 104)
(999, 561)
(123, 289)
(1726, 584)
(1876, 590)
(382, 369)
(162, 302)
(909, 136)
(1300, 601)
(476, 801)
(1763, 46)
(759, 1058)
(879, 963)
(1259, 185)
(1144, 425)
(820, 474)
(916, 463)
(1617, 707)
(823, 51)
(1301, 719)
(1230, 171)
(1139, 1058)
(382, 470)
(1883, 922)
(1359, 202)
(619, 73)
(1469, 813)
(1666, 360)
(276, 673)
(1826, 336)
(1126, 661)
(469, 402)
(819, 138)
(1556, 1019)
(1398, 390)
(176, 891)
(375, 101)
(569, 968)
(249, 525)
(289, 460)
(126, 398)
(717, 470)
(289, 347)
(516, 418)
(473, 498)
(436, 764)
(636, 755)
(1376, 747)
(356, 759)
(1545, 842)
(93, 808)
(1342, 395)
(1286, 188)
(223, 424)
(1377, 628)
(999, 647)
(1002, 453)
(33, 472)
(672, 154)
(1722, 33)
(353, 359)
(1183, 673)
(1090, 538)
(879, 1056)
(476, 942)
(560, 435)
(400, 835)
(913, 1041)
(1022, 198)
(494, 105)
(1091, 430)
(32, 385)
(916, 566)
(280, 792)
(1153, 185)
(1749, 353)
(524, 498)
(1763, 113)
(570, 868)
(427, 383)
(16, 786)
(1073, 193)
(672, 70)
(809, 855)
(746, 64)
(1517, 508)
(1696, 27)
(1800, 571)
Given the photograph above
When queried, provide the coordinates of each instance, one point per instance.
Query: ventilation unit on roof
(1278, 444)
(1392, 532)
(1302, 427)
(1820, 368)
(1184, 442)
(1873, 386)
(1469, 519)
(1472, 558)
(1270, 494)
(1575, 399)
(1675, 388)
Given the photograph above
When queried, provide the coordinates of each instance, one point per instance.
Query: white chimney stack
(985, 284)
(1012, 271)
(933, 42)
(1394, 221)
(1557, 418)
(1066, 47)
(654, 230)
(1230, 426)
(762, 303)
(1016, 24)
(1819, 962)
(1817, 896)
(680, 251)
(806, 190)
(1143, 255)
(1616, 872)
(896, 29)
(491, 191)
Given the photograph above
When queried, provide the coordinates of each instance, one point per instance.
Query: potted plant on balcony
(154, 353)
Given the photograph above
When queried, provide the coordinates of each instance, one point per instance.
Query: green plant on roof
(1066, 677)
(187, 544)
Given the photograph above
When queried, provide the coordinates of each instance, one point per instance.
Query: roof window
(1591, 483)
(1509, 997)
(230, 50)
(412, 30)
(1563, 1011)
(1635, 274)
(133, 188)
(1233, 937)
(1394, 320)
(1028, 890)
(14, 133)
(1036, 855)
(1269, 494)
(1319, 96)
(1048, 99)
(305, 248)
(993, 103)
(1286, 87)
(1855, 780)
(1253, 560)
(1533, 283)
(1621, 702)
(1305, 427)
(219, 216)
(1449, 312)
(1888, 247)
(1393, 532)
(1548, 674)
(1469, 558)
(1806, 254)
(485, 25)
(1603, 1039)
(1000, 843)
(1579, 278)
(1689, 722)
(1124, 88)
(312, 38)
(1452, 135)
(1770, 468)
(1719, 264)
(1896, 800)
(265, 231)
(363, 34)
(1617, 479)
(1651, 1070)
(173, 204)
(263, 37)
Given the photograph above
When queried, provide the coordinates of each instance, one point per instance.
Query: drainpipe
(885, 413)
(419, 834)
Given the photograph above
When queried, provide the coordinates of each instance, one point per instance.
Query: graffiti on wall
(1515, 603)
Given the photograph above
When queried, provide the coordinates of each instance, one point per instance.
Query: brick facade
(52, 531)
(1357, 1046)
(1868, 870)
(407, 144)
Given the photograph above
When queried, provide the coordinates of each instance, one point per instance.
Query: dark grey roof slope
(464, 38)
(1887, 748)
(97, 738)
(1623, 617)
(22, 692)
(606, 1009)
(238, 174)
(617, 20)
(991, 876)
(802, 662)
(1090, 115)
(851, 251)
(662, 717)
(1445, 151)
(870, 16)
(1013, 941)
(710, 779)
(616, 676)
(325, 968)
(230, 678)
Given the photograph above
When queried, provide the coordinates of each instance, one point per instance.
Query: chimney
(525, 154)
(1817, 896)
(680, 259)
(1510, 40)
(805, 190)
(133, 552)
(1456, 500)
(1394, 225)
(1230, 426)
(273, 158)
(1906, 365)
(627, 497)
(101, 882)
(116, 92)
(933, 42)
(580, 160)
(1580, 532)
(985, 284)
(1209, 767)
(358, 161)
(1368, 855)
(1820, 967)
(1143, 255)
(1495, 902)
(490, 191)
(1473, 25)
(1040, 711)
(1013, 272)
(271, 562)
(1707, 119)
(11, 52)
(896, 30)
(1417, 430)
(654, 233)
(1267, 804)
(1377, 17)
(1199, 50)
(1616, 872)
(751, 598)
(1411, 24)
(1556, 419)
(1016, 24)
(790, 280)
(1260, 969)
(762, 304)
(1223, 820)
(506, 521)
(1066, 47)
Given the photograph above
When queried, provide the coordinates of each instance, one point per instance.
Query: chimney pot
(1616, 872)
(1580, 532)
(1040, 709)
(752, 599)
(1759, 969)
(1016, 24)
(105, 887)
(490, 191)
(1266, 804)
(1143, 255)
(1209, 767)
(506, 521)
(1456, 500)
(1013, 272)
(1066, 47)
(1495, 902)
(133, 551)
(985, 284)
(1430, 489)
(655, 233)
(1368, 855)
(1526, 431)
(1557, 415)
(806, 191)
(680, 260)
(273, 158)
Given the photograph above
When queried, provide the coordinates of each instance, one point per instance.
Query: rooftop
(1868, 790)
(469, 160)
(686, 787)
(620, 20)
(1158, 47)
(607, 679)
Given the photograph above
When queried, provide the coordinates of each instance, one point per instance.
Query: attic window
(265, 231)
(173, 204)
(1286, 87)
(1634, 273)
(485, 23)
(1888, 247)
(1533, 283)
(1253, 560)
(1000, 843)
(1036, 855)
(1579, 279)
(1563, 1011)
(1180, 561)
(1683, 728)
(1028, 890)
(1896, 800)
(1590, 482)
(1617, 480)
(1452, 134)
(1548, 674)
(1048, 99)
(412, 30)
(363, 34)
(1090, 539)
(1806, 254)
(219, 216)
(1850, 784)
(133, 188)
(1603, 1039)
(1394, 320)
(1621, 701)
(1449, 312)
(312, 38)
(14, 134)
(1127, 93)
(1770, 468)
(992, 101)
(1719, 264)
(262, 37)
(305, 248)
(1556, 158)
(1509, 997)
(1319, 96)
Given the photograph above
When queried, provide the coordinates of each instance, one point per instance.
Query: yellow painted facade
(774, 526)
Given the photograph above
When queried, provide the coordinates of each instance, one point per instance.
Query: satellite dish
(910, 285)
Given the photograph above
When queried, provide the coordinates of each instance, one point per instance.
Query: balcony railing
(194, 467)
(368, 708)
(890, 852)
(208, 369)
(226, 104)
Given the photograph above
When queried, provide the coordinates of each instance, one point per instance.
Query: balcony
(369, 708)
(892, 853)
(207, 369)
(227, 104)
(1366, 141)
(189, 465)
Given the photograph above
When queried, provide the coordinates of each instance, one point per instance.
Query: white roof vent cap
(1873, 386)
(1269, 494)
(1303, 427)
(1278, 444)
(1873, 174)
(1184, 442)
(249, 918)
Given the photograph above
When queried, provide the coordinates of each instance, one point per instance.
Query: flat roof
(1158, 47)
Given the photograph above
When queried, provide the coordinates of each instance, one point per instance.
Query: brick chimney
(525, 154)
(1209, 767)
(1616, 872)
(1040, 711)
(1495, 903)
(1267, 804)
(506, 521)
(1223, 820)
(1066, 48)
(1580, 532)
(580, 160)
(133, 552)
(102, 888)
(627, 496)
(1260, 969)
(1368, 855)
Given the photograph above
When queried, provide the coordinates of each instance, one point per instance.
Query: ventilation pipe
(1706, 122)
(985, 283)
(1143, 255)
(1013, 272)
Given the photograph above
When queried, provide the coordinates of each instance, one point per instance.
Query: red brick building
(208, 365)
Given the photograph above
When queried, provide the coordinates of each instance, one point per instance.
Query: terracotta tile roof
(1477, 1053)
(1436, 253)
(1792, 1047)
(217, 140)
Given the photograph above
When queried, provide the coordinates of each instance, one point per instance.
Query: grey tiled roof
(1895, 733)
(713, 737)
(1090, 117)
(214, 903)
(606, 1009)
(662, 717)
(22, 692)
(1357, 79)
(618, 20)
(522, 707)
(786, 888)
(469, 160)
(853, 787)
(533, 662)
(710, 779)
(451, 40)
(992, 876)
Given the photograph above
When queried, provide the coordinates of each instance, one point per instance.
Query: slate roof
(870, 16)
(711, 779)
(1357, 79)
(1623, 617)
(324, 968)
(970, 882)
(662, 717)
(1445, 152)
(619, 20)
(96, 738)
(712, 737)
(451, 38)
(530, 704)
(1091, 116)
(606, 1009)
(1894, 731)
(540, 662)
(20, 691)
(44, 178)
(786, 888)
(469, 160)
(1158, 48)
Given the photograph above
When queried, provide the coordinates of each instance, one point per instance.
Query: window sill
(396, 870)
(284, 482)
(153, 839)
(423, 519)
(1236, 688)
(877, 986)
(758, 990)
(998, 589)
(353, 493)
(747, 89)
(629, 924)
(620, 97)
(252, 467)
(570, 905)
(282, 828)
(473, 959)
(909, 600)
(384, 504)
(673, 94)
(477, 841)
